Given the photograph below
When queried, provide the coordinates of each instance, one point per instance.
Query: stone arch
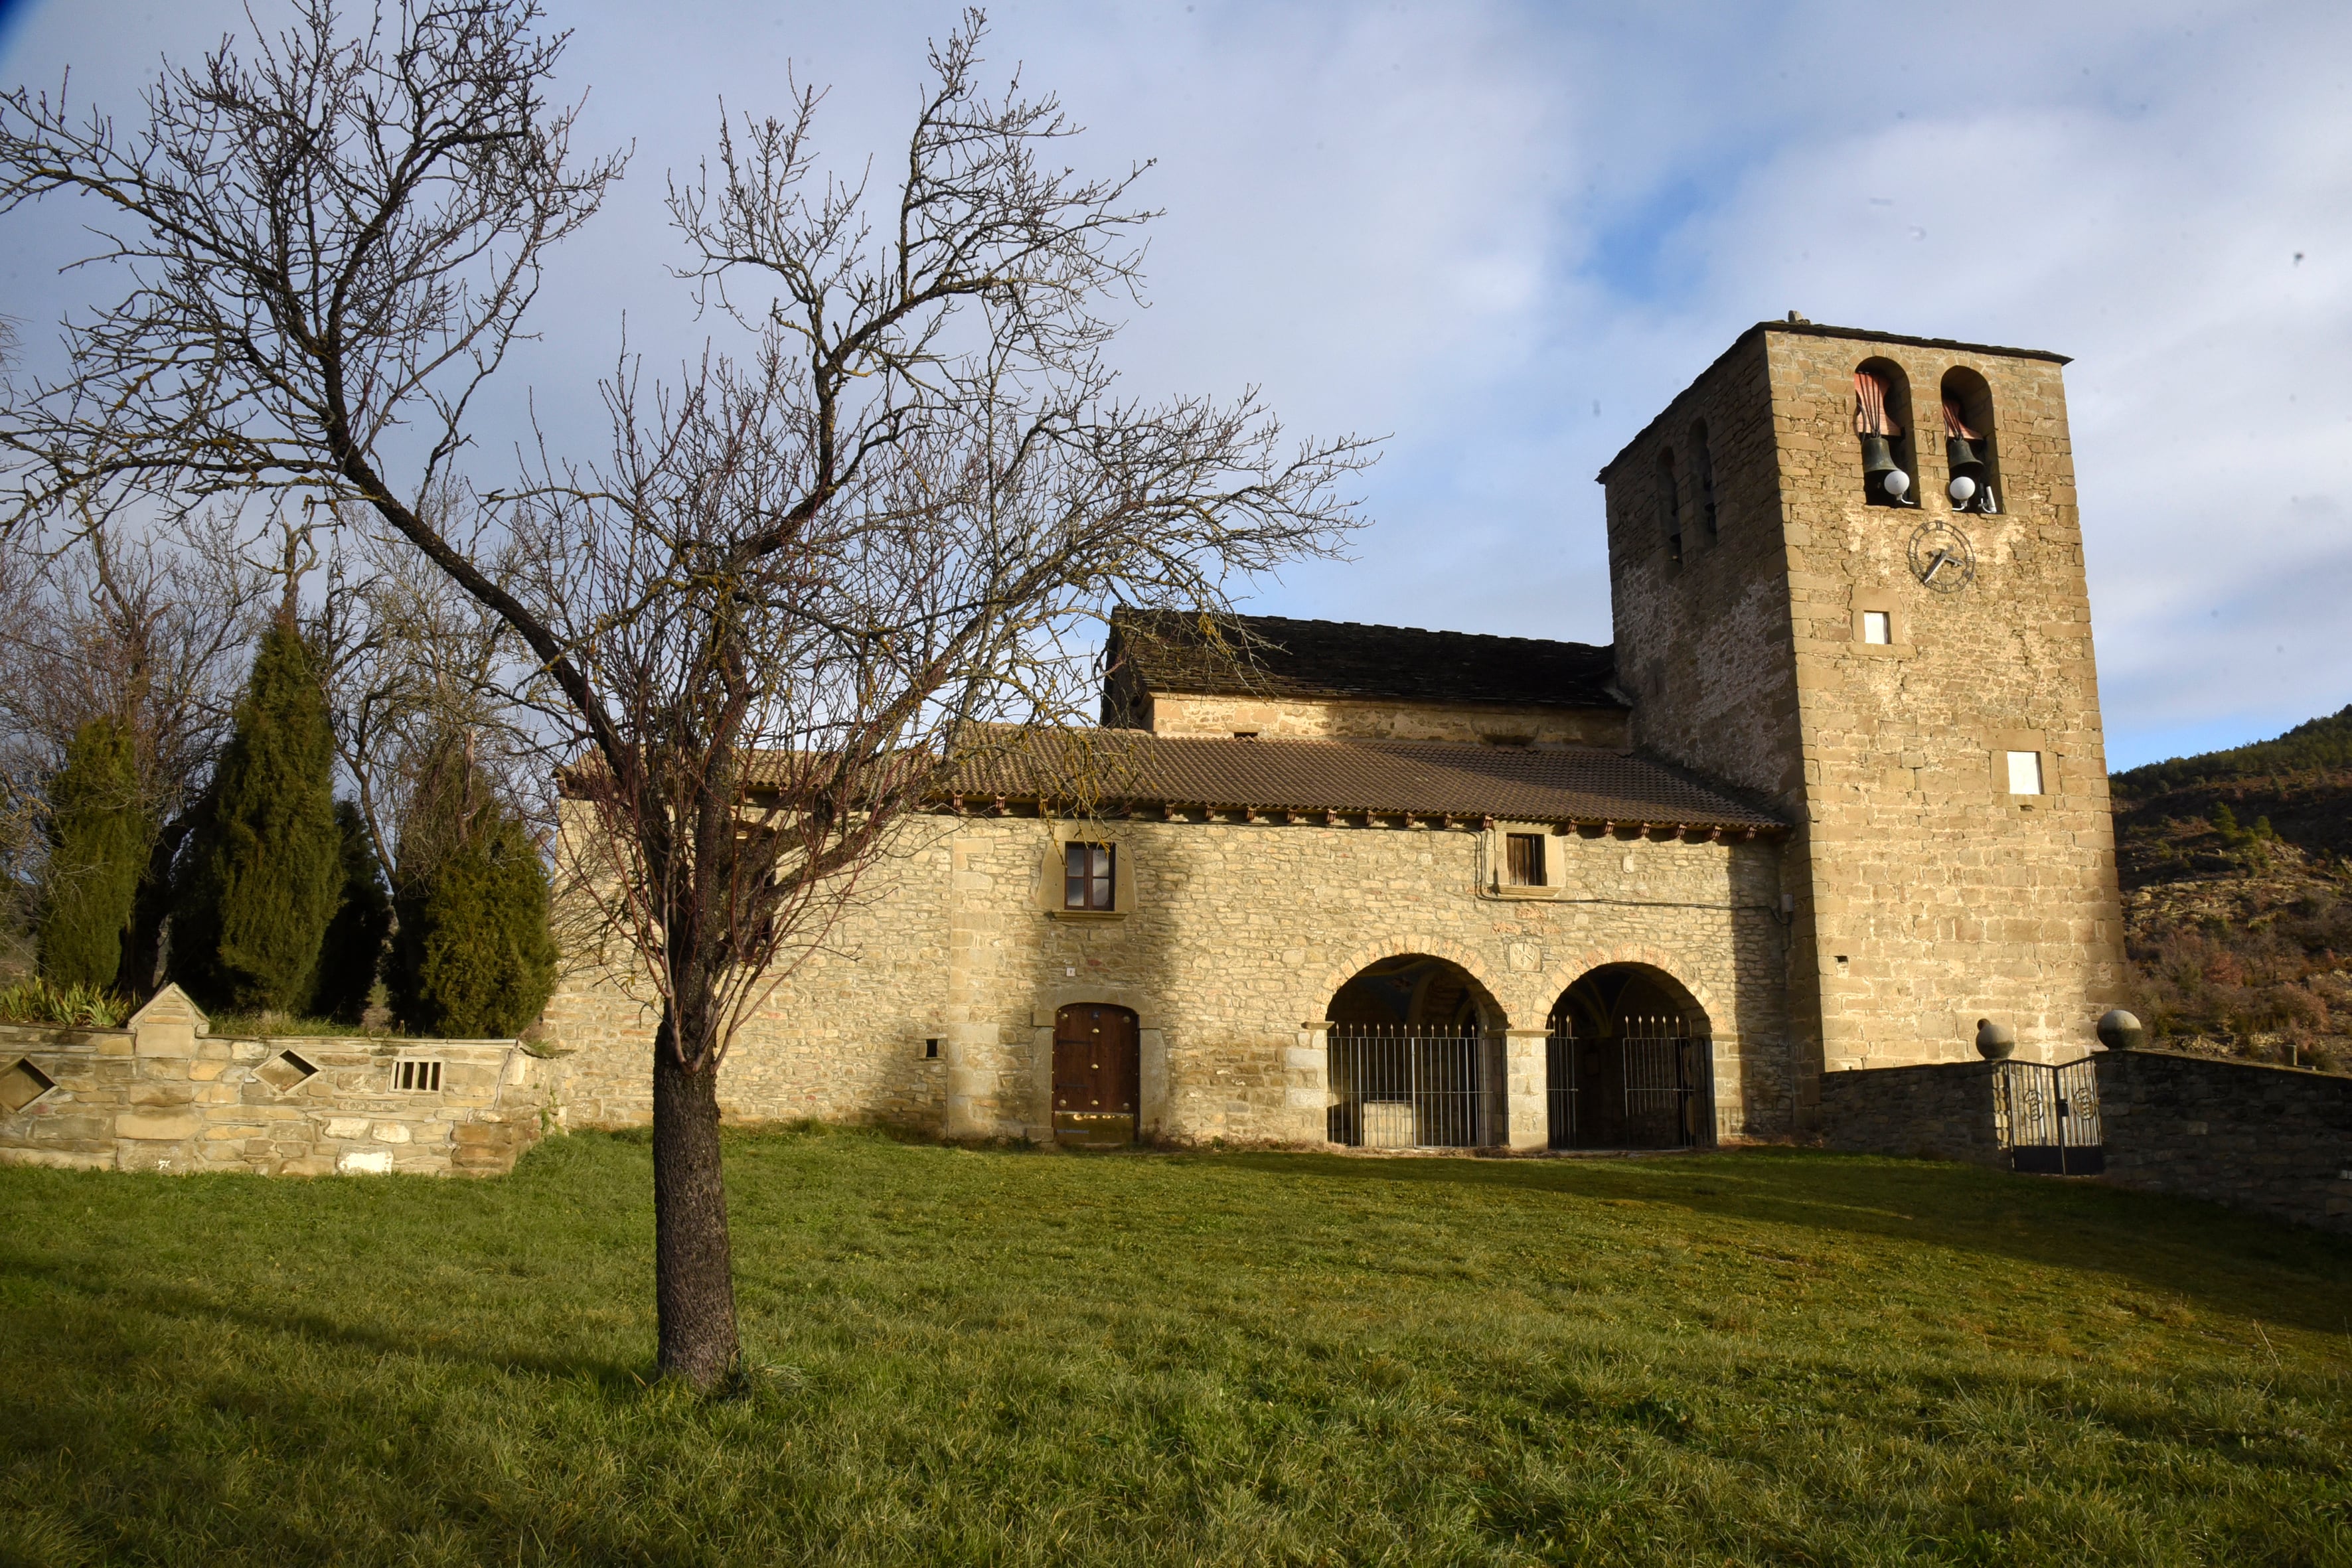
(1712, 1011)
(1630, 1059)
(1462, 957)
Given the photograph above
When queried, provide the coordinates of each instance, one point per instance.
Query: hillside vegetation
(2237, 877)
(1007, 1358)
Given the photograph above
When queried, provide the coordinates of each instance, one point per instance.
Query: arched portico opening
(1628, 1063)
(1415, 1058)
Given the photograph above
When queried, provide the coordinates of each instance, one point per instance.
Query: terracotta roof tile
(1561, 784)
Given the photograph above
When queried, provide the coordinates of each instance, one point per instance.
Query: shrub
(472, 956)
(265, 876)
(352, 949)
(33, 1000)
(99, 839)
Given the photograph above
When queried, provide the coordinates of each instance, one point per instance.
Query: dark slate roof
(1272, 656)
(1093, 768)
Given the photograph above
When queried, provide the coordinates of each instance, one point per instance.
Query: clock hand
(1942, 558)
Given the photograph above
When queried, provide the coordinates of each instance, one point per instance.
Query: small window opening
(23, 1084)
(1882, 407)
(1967, 442)
(1524, 853)
(1879, 627)
(931, 1050)
(417, 1077)
(1702, 481)
(285, 1071)
(2025, 772)
(1245, 734)
(1670, 508)
(1086, 882)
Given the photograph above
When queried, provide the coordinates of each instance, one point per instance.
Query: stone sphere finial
(1995, 1041)
(2121, 1031)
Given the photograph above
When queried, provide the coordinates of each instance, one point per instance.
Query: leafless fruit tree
(781, 614)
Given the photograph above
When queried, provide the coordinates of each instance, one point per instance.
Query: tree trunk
(694, 1277)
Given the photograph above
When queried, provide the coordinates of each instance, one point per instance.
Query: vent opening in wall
(23, 1084)
(2025, 772)
(931, 1050)
(1878, 627)
(284, 1071)
(417, 1077)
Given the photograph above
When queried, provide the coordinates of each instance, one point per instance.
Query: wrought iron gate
(2047, 1117)
(1645, 1088)
(1409, 1086)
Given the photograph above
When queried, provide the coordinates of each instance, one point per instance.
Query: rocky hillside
(2237, 879)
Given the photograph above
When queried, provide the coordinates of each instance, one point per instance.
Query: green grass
(1012, 1358)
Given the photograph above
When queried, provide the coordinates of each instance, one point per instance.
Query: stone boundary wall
(2273, 1140)
(1941, 1110)
(164, 1094)
(2269, 1140)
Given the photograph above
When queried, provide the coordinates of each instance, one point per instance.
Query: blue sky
(1505, 234)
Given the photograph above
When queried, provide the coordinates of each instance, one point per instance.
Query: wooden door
(1095, 1074)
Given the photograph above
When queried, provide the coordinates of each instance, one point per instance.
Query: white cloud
(1469, 224)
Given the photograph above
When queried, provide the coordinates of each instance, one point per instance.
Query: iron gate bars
(2048, 1117)
(1409, 1086)
(1642, 1089)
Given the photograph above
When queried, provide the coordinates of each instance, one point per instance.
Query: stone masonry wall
(1927, 896)
(1939, 1111)
(1234, 938)
(164, 1095)
(2270, 1139)
(1219, 717)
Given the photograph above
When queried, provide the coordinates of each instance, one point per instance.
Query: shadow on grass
(2242, 1264)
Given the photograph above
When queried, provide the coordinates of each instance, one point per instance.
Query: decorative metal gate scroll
(2048, 1117)
(1645, 1088)
(1408, 1085)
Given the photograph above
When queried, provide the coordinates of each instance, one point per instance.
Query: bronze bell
(1877, 458)
(1961, 456)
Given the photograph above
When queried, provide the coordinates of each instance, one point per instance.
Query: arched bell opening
(1628, 1063)
(1098, 1076)
(1882, 422)
(1971, 461)
(1415, 1058)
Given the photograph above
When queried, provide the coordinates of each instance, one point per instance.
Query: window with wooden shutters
(1524, 858)
(1086, 880)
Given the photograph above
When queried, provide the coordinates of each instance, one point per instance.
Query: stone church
(1835, 792)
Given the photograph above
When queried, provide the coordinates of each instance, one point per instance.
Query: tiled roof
(1170, 650)
(1560, 784)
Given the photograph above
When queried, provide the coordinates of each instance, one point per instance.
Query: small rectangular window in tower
(1086, 882)
(417, 1077)
(2025, 772)
(1879, 627)
(1524, 854)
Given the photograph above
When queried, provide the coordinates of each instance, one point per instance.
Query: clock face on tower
(1942, 558)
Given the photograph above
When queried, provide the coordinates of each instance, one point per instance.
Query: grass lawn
(1013, 1357)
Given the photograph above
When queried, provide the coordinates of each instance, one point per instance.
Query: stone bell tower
(1847, 574)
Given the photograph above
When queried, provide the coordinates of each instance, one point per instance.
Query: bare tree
(148, 627)
(783, 611)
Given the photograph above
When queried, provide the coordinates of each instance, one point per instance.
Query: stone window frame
(2000, 743)
(1494, 854)
(1898, 623)
(440, 1075)
(1050, 863)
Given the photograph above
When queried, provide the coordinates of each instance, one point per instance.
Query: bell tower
(1847, 576)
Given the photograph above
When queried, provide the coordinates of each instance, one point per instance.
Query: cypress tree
(266, 873)
(99, 836)
(473, 957)
(352, 949)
